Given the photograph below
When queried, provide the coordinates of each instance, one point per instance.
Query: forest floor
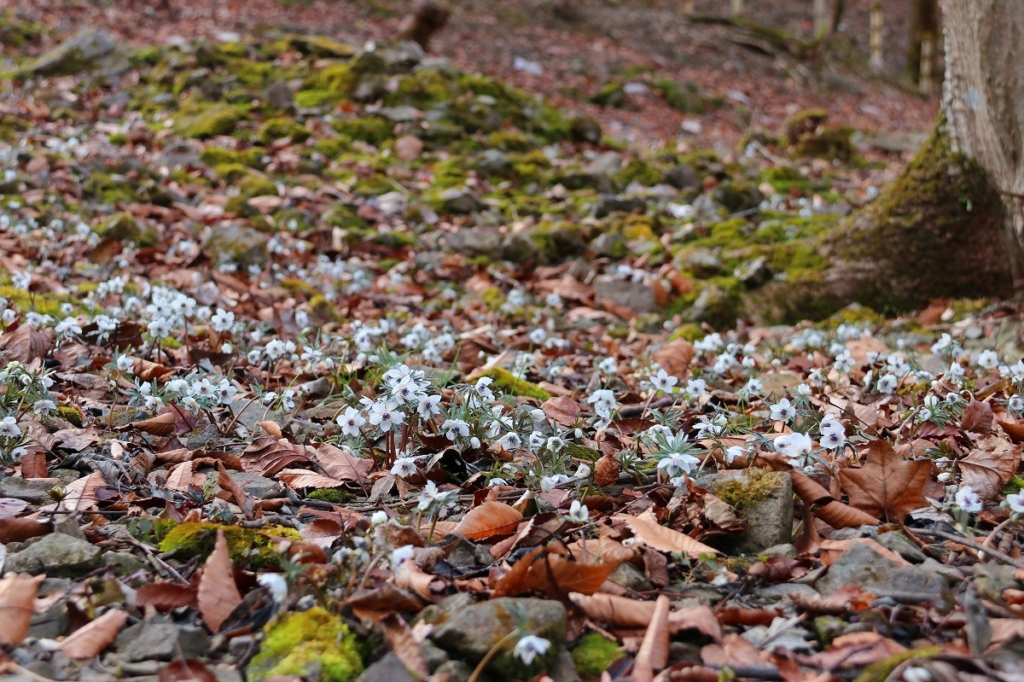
(330, 361)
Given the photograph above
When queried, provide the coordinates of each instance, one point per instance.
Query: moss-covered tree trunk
(953, 223)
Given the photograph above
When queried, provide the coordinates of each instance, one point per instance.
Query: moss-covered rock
(253, 547)
(506, 382)
(218, 156)
(201, 122)
(593, 654)
(368, 129)
(236, 244)
(311, 644)
(278, 128)
(126, 228)
(807, 135)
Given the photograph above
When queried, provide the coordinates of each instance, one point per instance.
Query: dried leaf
(304, 478)
(487, 520)
(653, 534)
(606, 470)
(33, 465)
(1013, 429)
(623, 612)
(266, 456)
(92, 639)
(538, 571)
(160, 425)
(887, 484)
(342, 464)
(990, 466)
(561, 409)
(401, 641)
(218, 595)
(978, 417)
(26, 343)
(272, 428)
(21, 528)
(17, 598)
(180, 477)
(9, 507)
(653, 654)
(166, 596)
(186, 670)
(675, 357)
(81, 494)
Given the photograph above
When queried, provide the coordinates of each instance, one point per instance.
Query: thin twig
(158, 563)
(967, 542)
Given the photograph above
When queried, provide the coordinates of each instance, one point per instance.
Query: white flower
(275, 348)
(385, 415)
(203, 389)
(21, 280)
(404, 467)
(988, 359)
(968, 500)
(604, 402)
(401, 555)
(429, 406)
(794, 445)
(582, 472)
(223, 320)
(1016, 403)
(529, 647)
(833, 440)
(380, 516)
(663, 381)
(696, 388)
(43, 406)
(898, 365)
(68, 326)
(844, 362)
(549, 483)
(9, 428)
(350, 421)
(453, 429)
(537, 336)
(829, 424)
(608, 366)
(125, 364)
(734, 451)
(783, 411)
(554, 444)
(678, 463)
(226, 394)
(803, 390)
(578, 513)
(887, 383)
(753, 387)
(1016, 502)
(956, 370)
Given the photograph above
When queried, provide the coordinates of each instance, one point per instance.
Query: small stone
(630, 577)
(388, 669)
(519, 248)
(479, 241)
(755, 273)
(610, 203)
(703, 263)
(713, 306)
(476, 630)
(899, 543)
(585, 129)
(610, 244)
(55, 554)
(279, 96)
(403, 114)
(494, 162)
(768, 509)
(123, 563)
(157, 641)
(460, 201)
(31, 491)
(257, 487)
(637, 296)
(238, 244)
(435, 655)
(90, 50)
(605, 163)
(737, 197)
(52, 623)
(785, 550)
(682, 177)
(864, 567)
(705, 210)
(408, 148)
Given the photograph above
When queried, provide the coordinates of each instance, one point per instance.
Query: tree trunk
(952, 225)
(924, 26)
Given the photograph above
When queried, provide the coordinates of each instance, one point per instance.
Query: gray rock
(472, 632)
(785, 550)
(773, 594)
(123, 563)
(161, 641)
(31, 491)
(435, 655)
(770, 513)
(404, 56)
(180, 155)
(234, 243)
(256, 486)
(478, 241)
(438, 614)
(898, 542)
(636, 296)
(682, 177)
(388, 669)
(705, 210)
(519, 248)
(55, 554)
(279, 96)
(610, 244)
(461, 201)
(703, 263)
(585, 129)
(610, 203)
(736, 196)
(862, 566)
(494, 162)
(454, 671)
(402, 114)
(630, 577)
(713, 306)
(90, 50)
(992, 580)
(755, 273)
(52, 623)
(563, 669)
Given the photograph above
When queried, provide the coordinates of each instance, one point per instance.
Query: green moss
(511, 141)
(218, 156)
(323, 311)
(368, 129)
(690, 332)
(687, 97)
(253, 185)
(881, 670)
(230, 172)
(312, 644)
(249, 546)
(557, 240)
(339, 79)
(332, 495)
(639, 228)
(493, 298)
(638, 170)
(507, 382)
(854, 313)
(278, 128)
(200, 121)
(109, 189)
(594, 654)
(72, 414)
(743, 493)
(297, 285)
(582, 452)
(610, 95)
(316, 99)
(124, 227)
(333, 147)
(117, 138)
(17, 31)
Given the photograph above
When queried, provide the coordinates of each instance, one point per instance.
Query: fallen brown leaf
(990, 466)
(91, 639)
(267, 455)
(653, 654)
(26, 343)
(886, 485)
(166, 596)
(401, 641)
(186, 670)
(17, 598)
(646, 529)
(218, 595)
(487, 520)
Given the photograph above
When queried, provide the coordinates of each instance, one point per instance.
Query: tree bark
(983, 104)
(924, 25)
